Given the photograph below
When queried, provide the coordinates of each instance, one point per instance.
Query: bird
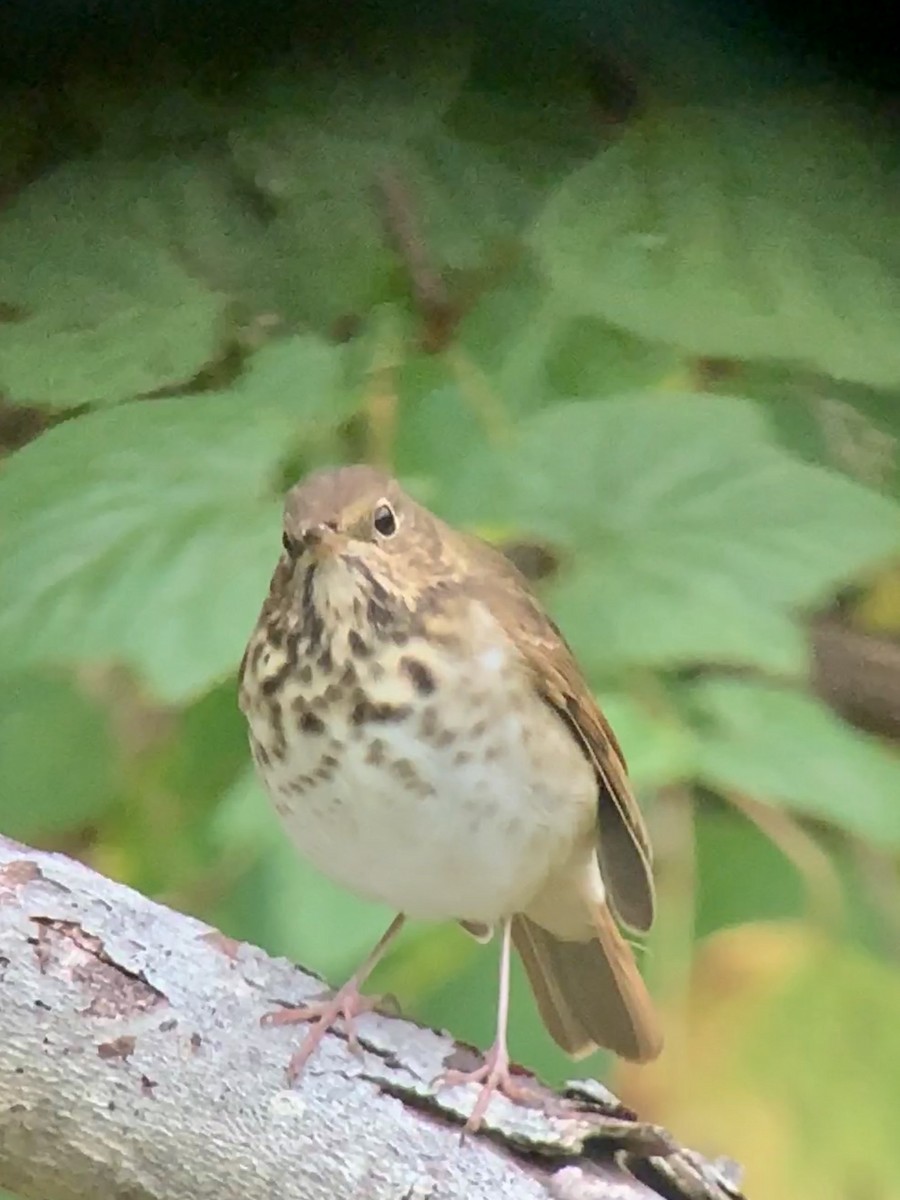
(430, 743)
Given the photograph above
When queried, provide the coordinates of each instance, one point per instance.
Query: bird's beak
(322, 541)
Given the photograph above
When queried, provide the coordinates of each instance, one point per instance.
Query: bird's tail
(590, 993)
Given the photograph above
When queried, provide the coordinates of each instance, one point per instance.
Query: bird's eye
(384, 520)
(288, 542)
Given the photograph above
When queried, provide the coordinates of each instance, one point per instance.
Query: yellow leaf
(879, 609)
(789, 1061)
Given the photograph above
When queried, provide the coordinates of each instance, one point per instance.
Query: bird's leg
(494, 1074)
(346, 1005)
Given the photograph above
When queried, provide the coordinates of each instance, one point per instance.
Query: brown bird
(429, 742)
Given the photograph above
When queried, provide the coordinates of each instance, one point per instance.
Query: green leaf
(209, 749)
(159, 553)
(505, 334)
(690, 536)
(592, 358)
(528, 105)
(745, 232)
(658, 608)
(108, 313)
(341, 160)
(384, 85)
(659, 749)
(56, 756)
(787, 748)
(742, 876)
(529, 350)
(438, 432)
(327, 229)
(845, 426)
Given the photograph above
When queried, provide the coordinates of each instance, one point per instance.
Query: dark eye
(288, 542)
(384, 520)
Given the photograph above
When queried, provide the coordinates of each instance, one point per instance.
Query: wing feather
(623, 846)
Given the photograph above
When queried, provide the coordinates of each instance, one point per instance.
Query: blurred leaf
(384, 85)
(218, 222)
(529, 108)
(436, 436)
(211, 746)
(167, 110)
(57, 759)
(741, 875)
(593, 358)
(659, 748)
(283, 211)
(160, 553)
(493, 374)
(744, 232)
(881, 410)
(795, 1054)
(878, 610)
(788, 748)
(323, 237)
(110, 314)
(844, 426)
(326, 230)
(694, 538)
(504, 335)
(244, 819)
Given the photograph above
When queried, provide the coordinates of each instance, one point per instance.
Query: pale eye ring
(384, 519)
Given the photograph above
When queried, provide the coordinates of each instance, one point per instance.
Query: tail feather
(589, 993)
(537, 949)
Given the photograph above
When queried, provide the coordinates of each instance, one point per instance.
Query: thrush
(429, 743)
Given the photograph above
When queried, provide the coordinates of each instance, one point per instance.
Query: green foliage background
(676, 369)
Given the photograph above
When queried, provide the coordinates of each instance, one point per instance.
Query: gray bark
(133, 1066)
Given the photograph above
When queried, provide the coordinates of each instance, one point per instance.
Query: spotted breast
(417, 772)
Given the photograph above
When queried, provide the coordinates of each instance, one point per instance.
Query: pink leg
(494, 1074)
(347, 1004)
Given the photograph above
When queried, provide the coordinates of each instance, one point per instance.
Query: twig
(439, 314)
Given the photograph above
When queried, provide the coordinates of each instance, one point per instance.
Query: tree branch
(133, 1064)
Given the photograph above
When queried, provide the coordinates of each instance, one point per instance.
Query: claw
(494, 1076)
(344, 1007)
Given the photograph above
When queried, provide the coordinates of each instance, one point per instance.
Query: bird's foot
(345, 1006)
(494, 1075)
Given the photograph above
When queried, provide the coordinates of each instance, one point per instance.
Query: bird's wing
(623, 844)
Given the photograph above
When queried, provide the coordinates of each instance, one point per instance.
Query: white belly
(466, 819)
